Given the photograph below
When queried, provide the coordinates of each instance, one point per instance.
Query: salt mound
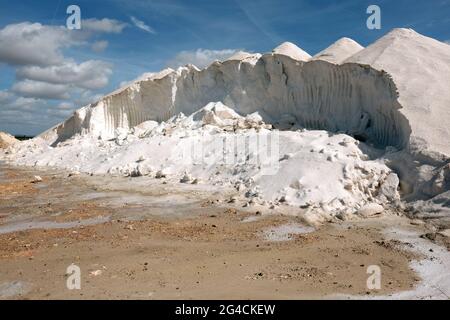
(6, 140)
(291, 50)
(339, 51)
(326, 175)
(420, 68)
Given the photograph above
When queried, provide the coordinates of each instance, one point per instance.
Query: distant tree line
(23, 137)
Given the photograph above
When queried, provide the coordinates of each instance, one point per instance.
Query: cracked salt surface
(286, 232)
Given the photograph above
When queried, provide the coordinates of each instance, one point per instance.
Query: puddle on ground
(251, 219)
(29, 225)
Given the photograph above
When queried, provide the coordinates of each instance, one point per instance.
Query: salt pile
(291, 50)
(6, 140)
(339, 51)
(334, 140)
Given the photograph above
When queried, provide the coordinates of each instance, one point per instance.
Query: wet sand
(166, 243)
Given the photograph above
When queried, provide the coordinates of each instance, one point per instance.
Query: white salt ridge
(291, 50)
(339, 51)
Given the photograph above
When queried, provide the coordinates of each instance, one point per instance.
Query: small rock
(141, 159)
(445, 233)
(160, 174)
(74, 173)
(36, 179)
(417, 222)
(286, 157)
(96, 273)
(186, 178)
(232, 200)
(370, 209)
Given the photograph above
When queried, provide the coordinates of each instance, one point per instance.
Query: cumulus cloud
(104, 25)
(99, 46)
(141, 25)
(4, 96)
(41, 90)
(33, 44)
(30, 116)
(91, 74)
(29, 43)
(200, 57)
(50, 85)
(42, 71)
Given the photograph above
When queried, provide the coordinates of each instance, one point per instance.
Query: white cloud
(91, 74)
(44, 74)
(42, 90)
(141, 25)
(99, 46)
(65, 106)
(4, 96)
(42, 71)
(29, 43)
(23, 104)
(200, 57)
(104, 25)
(32, 43)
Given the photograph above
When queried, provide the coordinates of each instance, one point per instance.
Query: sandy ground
(184, 244)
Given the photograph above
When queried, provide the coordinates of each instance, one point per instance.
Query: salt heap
(217, 146)
(339, 51)
(6, 140)
(342, 131)
(420, 68)
(291, 50)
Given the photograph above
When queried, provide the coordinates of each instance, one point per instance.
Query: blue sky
(120, 40)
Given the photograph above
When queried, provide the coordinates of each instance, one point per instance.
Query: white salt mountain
(323, 170)
(420, 68)
(339, 51)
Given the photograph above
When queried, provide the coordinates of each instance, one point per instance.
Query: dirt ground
(189, 247)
